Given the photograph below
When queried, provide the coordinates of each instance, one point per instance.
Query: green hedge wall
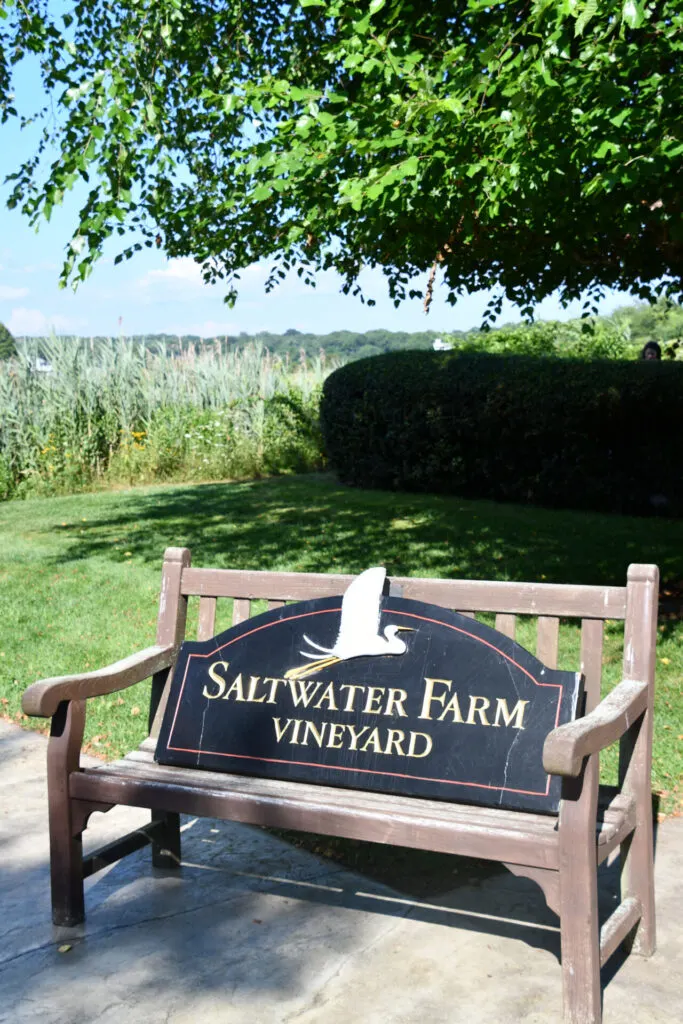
(601, 435)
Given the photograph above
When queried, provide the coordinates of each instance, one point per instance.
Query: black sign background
(491, 764)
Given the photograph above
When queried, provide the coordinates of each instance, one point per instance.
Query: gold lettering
(318, 736)
(218, 680)
(253, 683)
(301, 691)
(374, 697)
(237, 687)
(351, 687)
(429, 695)
(274, 684)
(280, 730)
(295, 731)
(454, 707)
(478, 706)
(507, 716)
(334, 740)
(395, 701)
(374, 739)
(328, 695)
(355, 736)
(413, 741)
(395, 738)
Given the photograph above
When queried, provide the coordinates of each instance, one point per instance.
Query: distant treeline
(338, 345)
(620, 335)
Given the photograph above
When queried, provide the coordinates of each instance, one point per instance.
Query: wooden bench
(560, 853)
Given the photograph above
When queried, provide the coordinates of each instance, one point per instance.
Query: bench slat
(591, 659)
(547, 639)
(506, 624)
(207, 618)
(562, 600)
(241, 610)
(384, 818)
(520, 837)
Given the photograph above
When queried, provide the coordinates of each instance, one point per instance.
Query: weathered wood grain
(579, 897)
(635, 761)
(592, 638)
(44, 697)
(506, 624)
(206, 624)
(555, 599)
(547, 639)
(171, 622)
(566, 747)
(618, 925)
(66, 847)
(241, 610)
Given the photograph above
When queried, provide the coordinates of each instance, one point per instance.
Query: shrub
(601, 435)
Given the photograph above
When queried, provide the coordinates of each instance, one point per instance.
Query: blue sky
(150, 294)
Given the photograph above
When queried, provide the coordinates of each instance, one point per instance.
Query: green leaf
(606, 147)
(632, 14)
(619, 118)
(588, 12)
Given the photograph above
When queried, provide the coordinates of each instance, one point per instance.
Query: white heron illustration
(359, 633)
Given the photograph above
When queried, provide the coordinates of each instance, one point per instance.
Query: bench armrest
(566, 747)
(44, 697)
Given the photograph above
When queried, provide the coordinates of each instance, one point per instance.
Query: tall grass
(75, 412)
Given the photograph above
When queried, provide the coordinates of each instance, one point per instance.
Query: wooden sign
(372, 692)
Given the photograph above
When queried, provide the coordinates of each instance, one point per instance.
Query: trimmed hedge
(600, 435)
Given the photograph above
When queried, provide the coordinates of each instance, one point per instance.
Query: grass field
(80, 575)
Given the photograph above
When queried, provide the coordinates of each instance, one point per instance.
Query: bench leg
(637, 852)
(579, 925)
(581, 956)
(66, 873)
(637, 879)
(166, 847)
(66, 848)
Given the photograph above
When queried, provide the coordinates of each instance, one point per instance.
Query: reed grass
(76, 413)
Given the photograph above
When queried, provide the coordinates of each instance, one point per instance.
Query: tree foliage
(526, 145)
(7, 345)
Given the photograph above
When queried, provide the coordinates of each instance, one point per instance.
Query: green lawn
(80, 575)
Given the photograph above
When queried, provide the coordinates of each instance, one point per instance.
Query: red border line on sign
(366, 771)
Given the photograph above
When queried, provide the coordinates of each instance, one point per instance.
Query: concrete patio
(254, 930)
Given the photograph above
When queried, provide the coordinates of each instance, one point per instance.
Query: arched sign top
(404, 697)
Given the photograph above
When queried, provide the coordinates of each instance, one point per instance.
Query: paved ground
(256, 931)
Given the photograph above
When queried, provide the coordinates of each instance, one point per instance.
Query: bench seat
(524, 838)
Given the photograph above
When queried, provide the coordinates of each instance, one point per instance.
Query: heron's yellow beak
(405, 629)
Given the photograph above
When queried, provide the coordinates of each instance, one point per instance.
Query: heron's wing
(361, 608)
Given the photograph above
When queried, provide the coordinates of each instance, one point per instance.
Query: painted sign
(372, 692)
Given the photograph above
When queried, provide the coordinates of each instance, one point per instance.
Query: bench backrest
(635, 604)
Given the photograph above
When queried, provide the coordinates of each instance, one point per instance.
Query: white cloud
(181, 278)
(181, 281)
(7, 293)
(24, 321)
